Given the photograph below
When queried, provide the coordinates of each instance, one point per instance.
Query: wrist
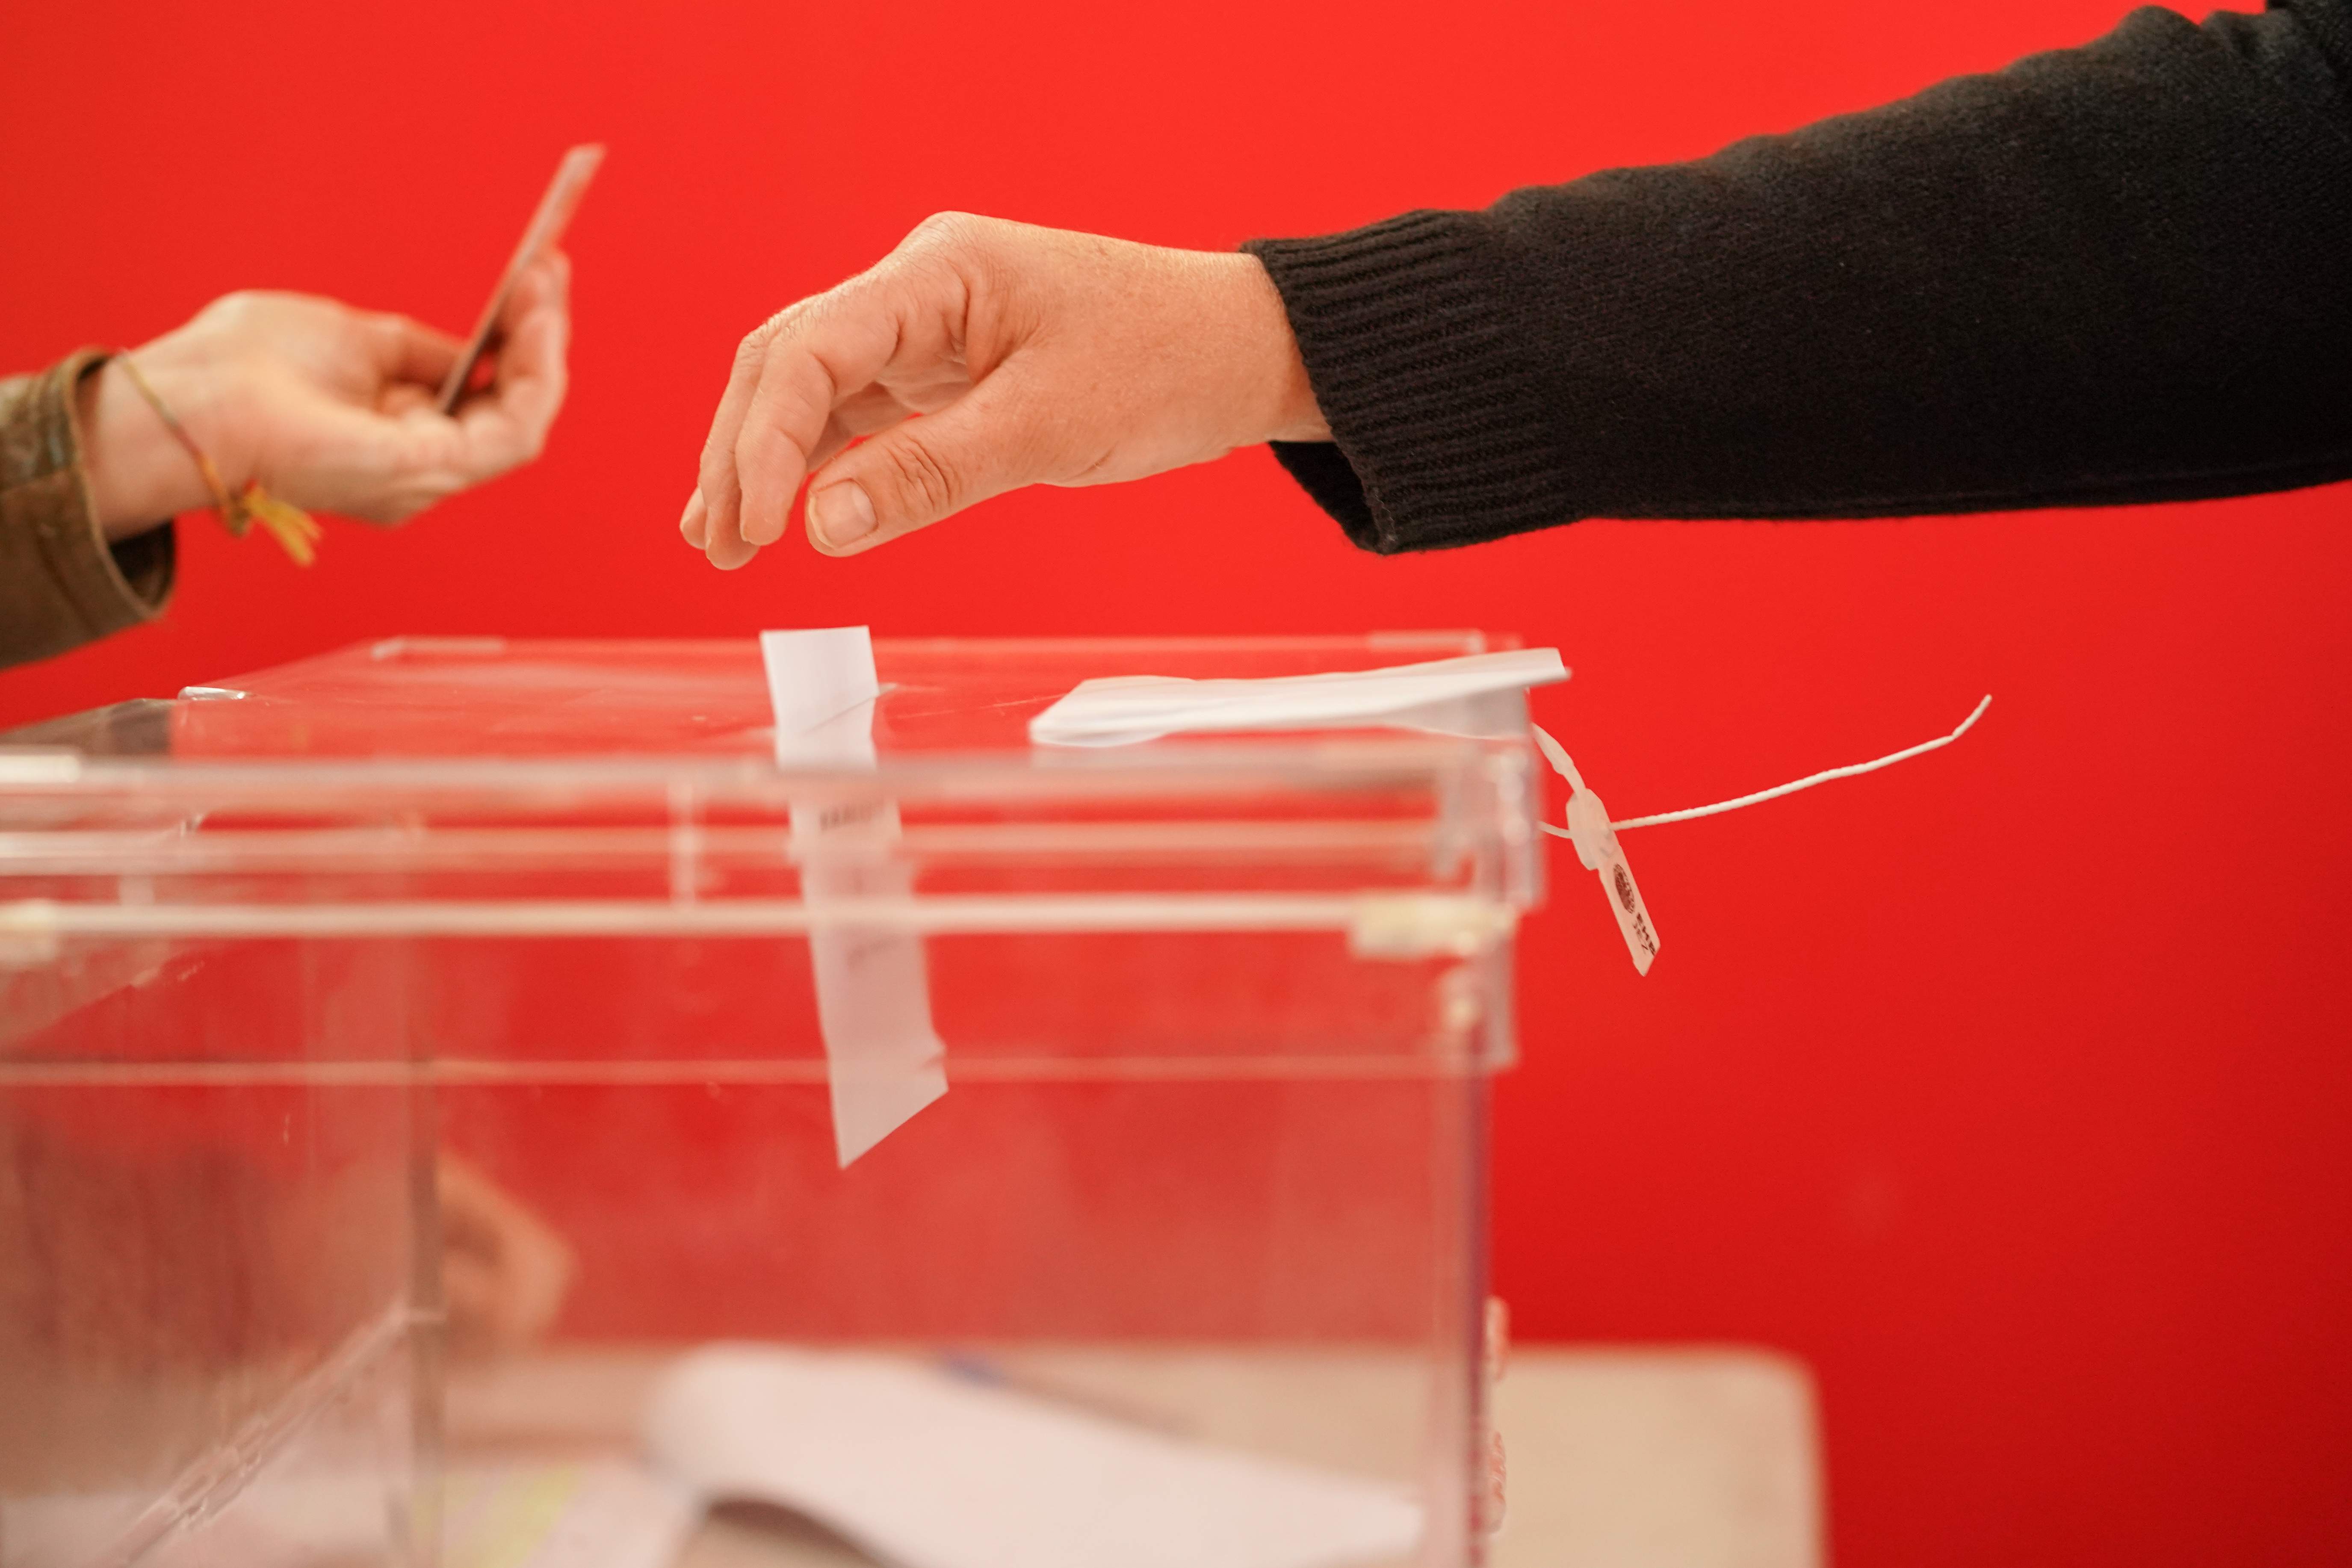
(139, 475)
(1293, 414)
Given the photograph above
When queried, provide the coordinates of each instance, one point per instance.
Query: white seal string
(1595, 836)
(1852, 770)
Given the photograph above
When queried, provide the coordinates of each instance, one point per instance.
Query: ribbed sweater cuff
(1425, 378)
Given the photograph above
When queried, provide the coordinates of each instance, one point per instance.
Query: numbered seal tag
(1597, 846)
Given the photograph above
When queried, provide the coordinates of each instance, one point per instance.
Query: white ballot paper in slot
(1122, 709)
(883, 1061)
(927, 1469)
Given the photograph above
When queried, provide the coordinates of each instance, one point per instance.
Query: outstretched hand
(331, 408)
(1034, 356)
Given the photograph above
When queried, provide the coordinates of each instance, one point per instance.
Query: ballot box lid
(438, 786)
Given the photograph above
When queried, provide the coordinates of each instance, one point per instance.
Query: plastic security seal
(1595, 836)
(1598, 850)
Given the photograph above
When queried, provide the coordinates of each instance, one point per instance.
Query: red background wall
(2007, 1090)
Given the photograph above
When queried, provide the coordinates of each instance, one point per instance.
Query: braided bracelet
(295, 531)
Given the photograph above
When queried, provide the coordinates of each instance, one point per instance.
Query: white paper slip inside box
(1122, 709)
(926, 1469)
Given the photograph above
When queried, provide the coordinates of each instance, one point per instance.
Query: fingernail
(690, 522)
(841, 513)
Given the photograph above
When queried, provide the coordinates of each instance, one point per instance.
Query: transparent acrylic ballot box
(425, 1071)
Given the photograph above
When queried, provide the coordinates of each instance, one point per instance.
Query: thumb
(919, 471)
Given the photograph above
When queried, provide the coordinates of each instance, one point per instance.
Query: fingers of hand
(985, 443)
(408, 353)
(778, 411)
(717, 487)
(545, 283)
(404, 398)
(863, 415)
(338, 408)
(784, 424)
(507, 425)
(532, 372)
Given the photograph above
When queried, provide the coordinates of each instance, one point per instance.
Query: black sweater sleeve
(2117, 273)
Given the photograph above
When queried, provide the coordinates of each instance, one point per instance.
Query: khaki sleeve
(61, 585)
